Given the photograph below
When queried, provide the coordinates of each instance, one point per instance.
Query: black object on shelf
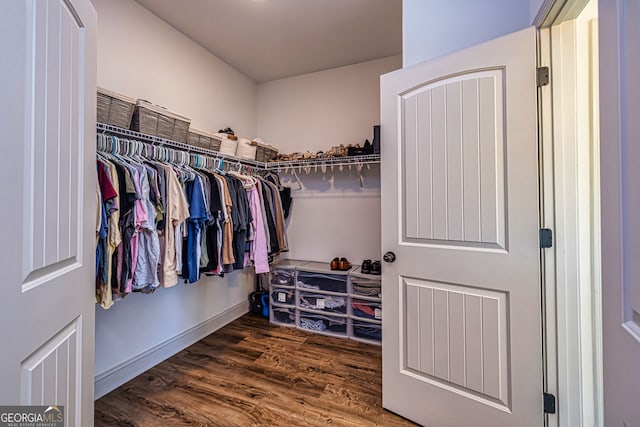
(376, 139)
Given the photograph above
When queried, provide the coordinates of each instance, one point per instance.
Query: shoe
(365, 268)
(344, 264)
(335, 264)
(376, 268)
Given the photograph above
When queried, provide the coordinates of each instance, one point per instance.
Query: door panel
(47, 170)
(453, 158)
(462, 330)
(619, 31)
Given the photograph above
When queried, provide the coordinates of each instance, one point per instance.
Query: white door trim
(570, 205)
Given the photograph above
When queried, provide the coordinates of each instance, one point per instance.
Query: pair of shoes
(341, 264)
(371, 267)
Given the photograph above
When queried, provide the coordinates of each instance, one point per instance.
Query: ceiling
(272, 39)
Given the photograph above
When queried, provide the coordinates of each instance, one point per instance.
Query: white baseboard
(113, 378)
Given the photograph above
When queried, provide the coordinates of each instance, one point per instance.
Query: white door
(619, 33)
(47, 188)
(462, 308)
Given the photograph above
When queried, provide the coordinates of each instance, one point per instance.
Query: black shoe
(376, 268)
(365, 268)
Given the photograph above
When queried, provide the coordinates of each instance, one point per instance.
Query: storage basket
(157, 121)
(203, 139)
(115, 109)
(228, 144)
(245, 149)
(264, 152)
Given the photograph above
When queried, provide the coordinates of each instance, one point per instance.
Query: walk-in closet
(332, 211)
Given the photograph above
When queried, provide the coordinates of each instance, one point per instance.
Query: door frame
(571, 208)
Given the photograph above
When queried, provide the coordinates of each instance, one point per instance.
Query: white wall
(140, 55)
(317, 110)
(433, 28)
(333, 215)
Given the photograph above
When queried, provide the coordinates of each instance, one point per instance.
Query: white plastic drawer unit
(365, 309)
(325, 302)
(323, 323)
(283, 316)
(365, 287)
(366, 331)
(283, 296)
(322, 282)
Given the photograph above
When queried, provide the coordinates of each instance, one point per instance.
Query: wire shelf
(280, 166)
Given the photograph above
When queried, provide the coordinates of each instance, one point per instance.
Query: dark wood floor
(252, 373)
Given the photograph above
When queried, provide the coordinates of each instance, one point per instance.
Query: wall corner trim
(113, 378)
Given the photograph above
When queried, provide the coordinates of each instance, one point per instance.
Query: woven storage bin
(202, 139)
(265, 152)
(157, 121)
(115, 109)
(246, 149)
(270, 153)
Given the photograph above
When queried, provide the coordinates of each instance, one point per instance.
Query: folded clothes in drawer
(283, 296)
(283, 315)
(323, 282)
(366, 288)
(329, 303)
(283, 277)
(366, 309)
(366, 330)
(322, 323)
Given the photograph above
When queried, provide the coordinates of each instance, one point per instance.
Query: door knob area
(389, 257)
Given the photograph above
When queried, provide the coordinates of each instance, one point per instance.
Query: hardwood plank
(252, 373)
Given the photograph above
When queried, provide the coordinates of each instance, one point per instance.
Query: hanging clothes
(159, 221)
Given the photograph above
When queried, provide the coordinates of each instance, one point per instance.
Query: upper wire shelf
(277, 166)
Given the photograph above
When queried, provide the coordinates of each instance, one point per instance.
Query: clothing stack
(158, 222)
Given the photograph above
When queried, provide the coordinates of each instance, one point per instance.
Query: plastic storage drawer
(283, 278)
(366, 331)
(365, 309)
(283, 316)
(370, 288)
(323, 282)
(281, 296)
(323, 323)
(322, 302)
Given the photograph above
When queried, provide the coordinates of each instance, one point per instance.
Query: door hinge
(549, 403)
(546, 238)
(542, 76)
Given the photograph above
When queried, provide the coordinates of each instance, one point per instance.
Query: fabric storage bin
(246, 149)
(228, 144)
(114, 109)
(365, 309)
(366, 287)
(157, 121)
(283, 296)
(322, 323)
(283, 316)
(366, 330)
(322, 302)
(323, 282)
(202, 139)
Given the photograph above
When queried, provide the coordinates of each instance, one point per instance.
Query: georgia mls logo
(31, 416)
